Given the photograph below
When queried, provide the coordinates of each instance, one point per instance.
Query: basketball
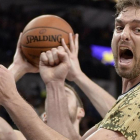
(42, 34)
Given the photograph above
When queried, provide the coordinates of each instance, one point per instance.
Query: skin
(72, 105)
(76, 113)
(6, 131)
(56, 97)
(20, 66)
(19, 135)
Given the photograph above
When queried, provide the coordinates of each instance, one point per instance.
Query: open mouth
(126, 55)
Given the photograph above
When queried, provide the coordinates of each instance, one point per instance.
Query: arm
(6, 131)
(104, 134)
(53, 70)
(19, 135)
(21, 112)
(89, 132)
(20, 66)
(101, 99)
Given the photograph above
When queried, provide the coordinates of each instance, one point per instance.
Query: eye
(137, 30)
(119, 28)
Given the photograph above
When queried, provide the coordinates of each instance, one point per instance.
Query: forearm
(16, 71)
(101, 99)
(57, 111)
(28, 121)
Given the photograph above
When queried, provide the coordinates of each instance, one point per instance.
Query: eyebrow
(118, 21)
(122, 22)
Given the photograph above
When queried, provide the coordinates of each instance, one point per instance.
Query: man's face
(72, 104)
(126, 43)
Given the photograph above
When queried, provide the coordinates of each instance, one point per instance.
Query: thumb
(18, 43)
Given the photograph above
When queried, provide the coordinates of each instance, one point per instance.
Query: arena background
(93, 20)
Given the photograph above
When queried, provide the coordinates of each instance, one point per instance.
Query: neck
(129, 83)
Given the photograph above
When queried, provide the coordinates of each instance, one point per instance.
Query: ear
(80, 113)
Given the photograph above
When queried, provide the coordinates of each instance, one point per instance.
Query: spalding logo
(51, 38)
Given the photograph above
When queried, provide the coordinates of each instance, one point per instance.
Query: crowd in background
(13, 20)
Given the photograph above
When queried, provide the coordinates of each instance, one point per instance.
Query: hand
(74, 69)
(54, 65)
(20, 64)
(7, 85)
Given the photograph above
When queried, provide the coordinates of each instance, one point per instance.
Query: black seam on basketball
(44, 27)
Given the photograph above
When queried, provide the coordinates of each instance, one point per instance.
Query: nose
(125, 35)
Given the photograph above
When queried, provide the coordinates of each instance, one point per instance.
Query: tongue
(123, 60)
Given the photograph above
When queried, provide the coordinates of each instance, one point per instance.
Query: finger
(72, 47)
(3, 67)
(65, 46)
(55, 56)
(61, 49)
(63, 57)
(18, 43)
(76, 42)
(43, 58)
(50, 58)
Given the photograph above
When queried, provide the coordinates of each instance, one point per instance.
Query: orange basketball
(42, 34)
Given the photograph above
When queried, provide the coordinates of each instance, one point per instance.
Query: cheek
(114, 43)
(71, 104)
(137, 48)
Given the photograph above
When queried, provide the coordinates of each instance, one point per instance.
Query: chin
(128, 75)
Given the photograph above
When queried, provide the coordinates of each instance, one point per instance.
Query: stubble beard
(135, 72)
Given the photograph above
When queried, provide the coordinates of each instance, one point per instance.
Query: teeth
(124, 48)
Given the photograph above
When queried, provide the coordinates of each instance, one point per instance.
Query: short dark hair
(121, 4)
(79, 101)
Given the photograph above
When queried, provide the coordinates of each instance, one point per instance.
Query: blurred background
(93, 20)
